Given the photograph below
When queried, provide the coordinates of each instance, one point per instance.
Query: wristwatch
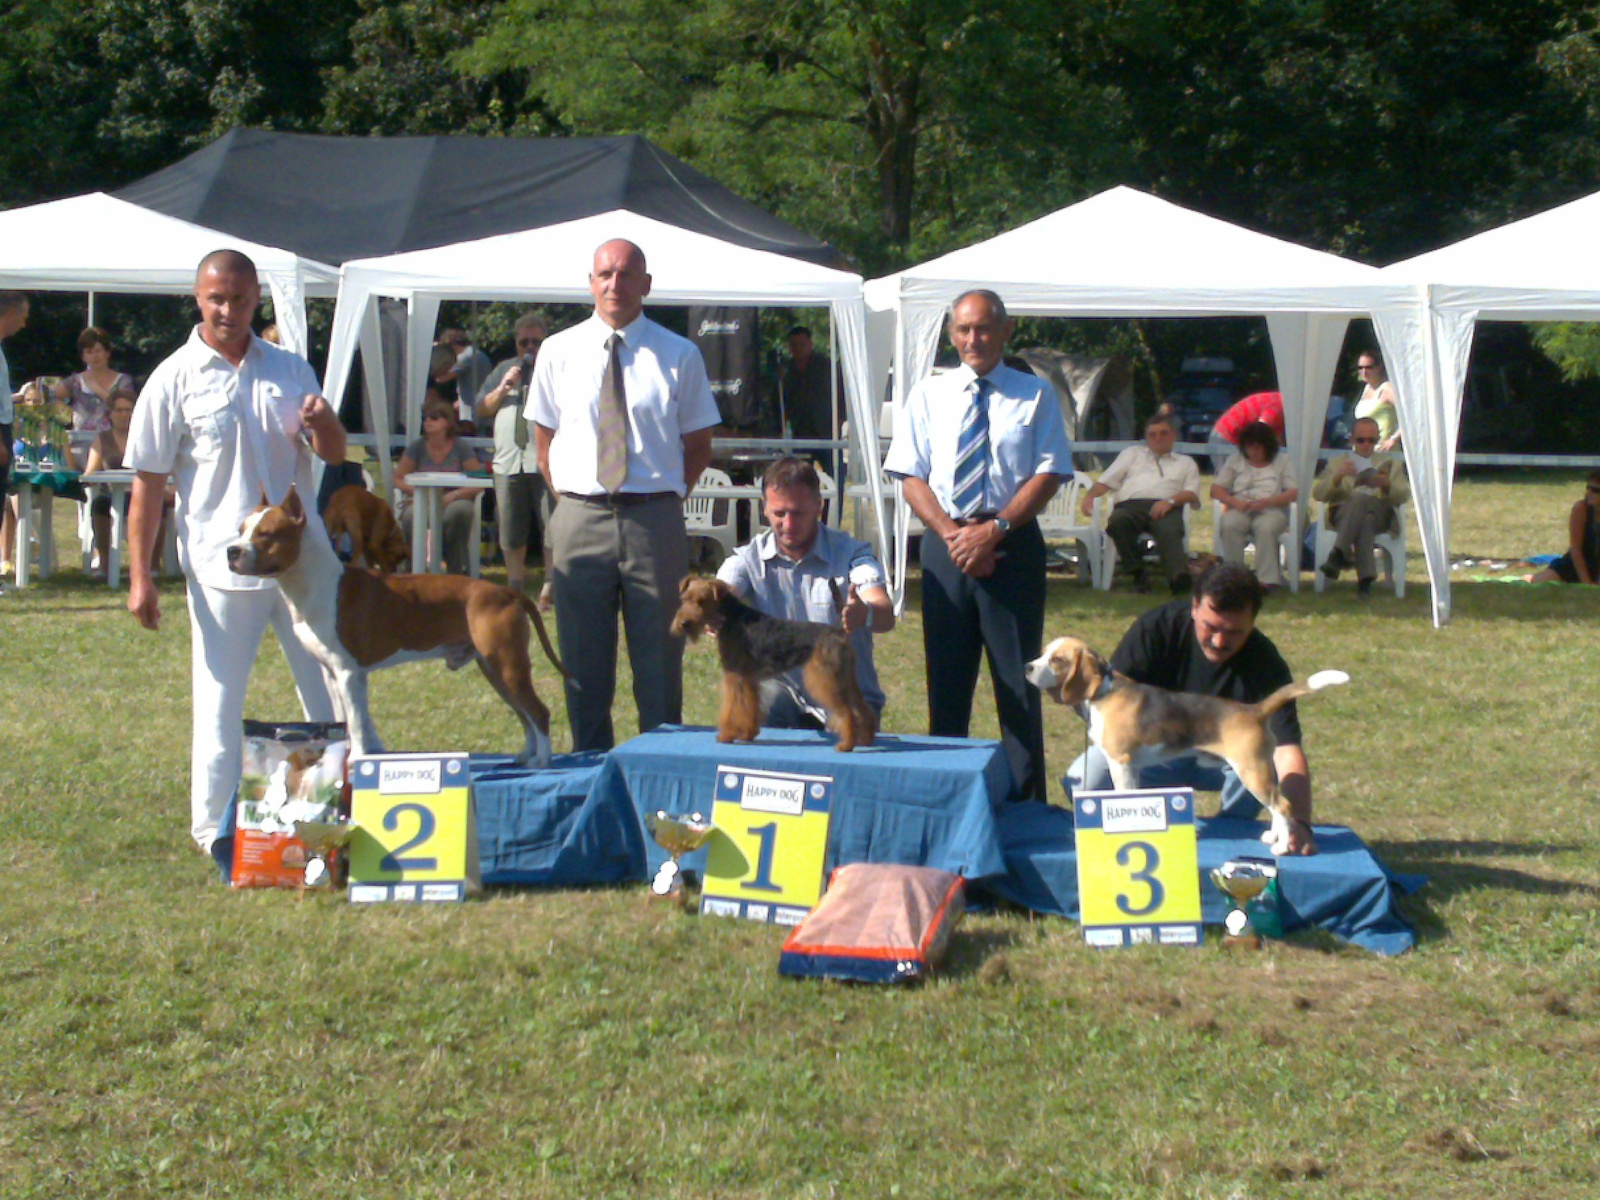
(1003, 525)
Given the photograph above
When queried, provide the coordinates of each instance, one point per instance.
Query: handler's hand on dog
(855, 612)
(143, 602)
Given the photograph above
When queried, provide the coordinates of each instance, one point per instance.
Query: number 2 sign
(415, 837)
(1138, 867)
(764, 862)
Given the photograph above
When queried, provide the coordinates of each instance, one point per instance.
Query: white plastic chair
(1108, 548)
(1062, 522)
(699, 511)
(1391, 546)
(1286, 541)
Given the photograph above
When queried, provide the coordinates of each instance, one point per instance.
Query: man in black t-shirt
(1209, 645)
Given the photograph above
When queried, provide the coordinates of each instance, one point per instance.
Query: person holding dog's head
(980, 450)
(1151, 484)
(622, 415)
(795, 570)
(1209, 645)
(231, 419)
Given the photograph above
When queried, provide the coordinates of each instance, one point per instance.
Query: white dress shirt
(1140, 474)
(225, 434)
(668, 396)
(1027, 436)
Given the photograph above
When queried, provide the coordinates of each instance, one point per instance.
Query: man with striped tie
(622, 416)
(980, 450)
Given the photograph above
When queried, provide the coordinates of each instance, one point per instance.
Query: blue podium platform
(922, 801)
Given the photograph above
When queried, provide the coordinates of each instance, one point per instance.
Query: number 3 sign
(1138, 867)
(415, 838)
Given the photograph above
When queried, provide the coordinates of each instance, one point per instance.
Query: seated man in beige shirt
(1152, 484)
(1362, 490)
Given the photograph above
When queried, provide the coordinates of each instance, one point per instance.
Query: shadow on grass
(971, 950)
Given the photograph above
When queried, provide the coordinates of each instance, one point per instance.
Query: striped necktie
(612, 435)
(972, 455)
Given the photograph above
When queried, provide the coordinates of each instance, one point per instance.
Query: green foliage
(1575, 348)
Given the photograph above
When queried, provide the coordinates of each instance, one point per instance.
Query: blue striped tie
(972, 455)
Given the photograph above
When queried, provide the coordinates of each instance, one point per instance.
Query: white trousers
(226, 629)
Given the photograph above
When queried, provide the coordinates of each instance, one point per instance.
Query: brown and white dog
(368, 521)
(1136, 725)
(354, 621)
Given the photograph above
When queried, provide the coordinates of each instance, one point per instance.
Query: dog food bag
(293, 771)
(878, 923)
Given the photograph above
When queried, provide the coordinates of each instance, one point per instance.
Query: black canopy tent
(338, 198)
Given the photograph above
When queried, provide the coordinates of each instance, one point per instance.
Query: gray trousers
(610, 557)
(1357, 522)
(1236, 529)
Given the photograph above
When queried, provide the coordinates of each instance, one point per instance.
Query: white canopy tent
(552, 263)
(1542, 268)
(1123, 253)
(99, 243)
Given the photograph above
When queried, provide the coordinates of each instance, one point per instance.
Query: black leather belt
(620, 500)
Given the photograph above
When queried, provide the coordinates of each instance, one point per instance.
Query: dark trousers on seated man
(1003, 613)
(1129, 519)
(1089, 773)
(1357, 523)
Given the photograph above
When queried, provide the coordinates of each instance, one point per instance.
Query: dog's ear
(1075, 671)
(685, 584)
(292, 507)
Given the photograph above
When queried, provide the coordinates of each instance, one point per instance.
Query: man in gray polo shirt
(786, 572)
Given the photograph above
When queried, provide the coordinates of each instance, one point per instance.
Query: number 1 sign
(1138, 867)
(765, 859)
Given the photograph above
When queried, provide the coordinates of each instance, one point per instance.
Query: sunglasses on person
(1363, 441)
(435, 416)
(529, 342)
(1593, 490)
(1366, 366)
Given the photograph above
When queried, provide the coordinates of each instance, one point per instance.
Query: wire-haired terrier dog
(755, 647)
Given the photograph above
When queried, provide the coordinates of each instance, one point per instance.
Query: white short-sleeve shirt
(668, 393)
(225, 434)
(1138, 473)
(1027, 435)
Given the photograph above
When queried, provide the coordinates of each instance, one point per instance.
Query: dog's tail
(1293, 691)
(532, 609)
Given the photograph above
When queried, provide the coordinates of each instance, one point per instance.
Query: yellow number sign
(416, 835)
(1138, 867)
(764, 862)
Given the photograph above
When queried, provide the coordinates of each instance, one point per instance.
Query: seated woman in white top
(1255, 488)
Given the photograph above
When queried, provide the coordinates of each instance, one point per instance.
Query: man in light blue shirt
(790, 571)
(980, 451)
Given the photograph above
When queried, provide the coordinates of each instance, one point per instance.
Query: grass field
(163, 1036)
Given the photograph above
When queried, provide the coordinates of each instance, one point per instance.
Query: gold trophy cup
(321, 839)
(677, 835)
(1242, 880)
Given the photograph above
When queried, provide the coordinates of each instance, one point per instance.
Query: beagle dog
(1136, 725)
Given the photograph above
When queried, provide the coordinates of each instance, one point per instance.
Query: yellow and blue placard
(416, 837)
(1138, 867)
(765, 860)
